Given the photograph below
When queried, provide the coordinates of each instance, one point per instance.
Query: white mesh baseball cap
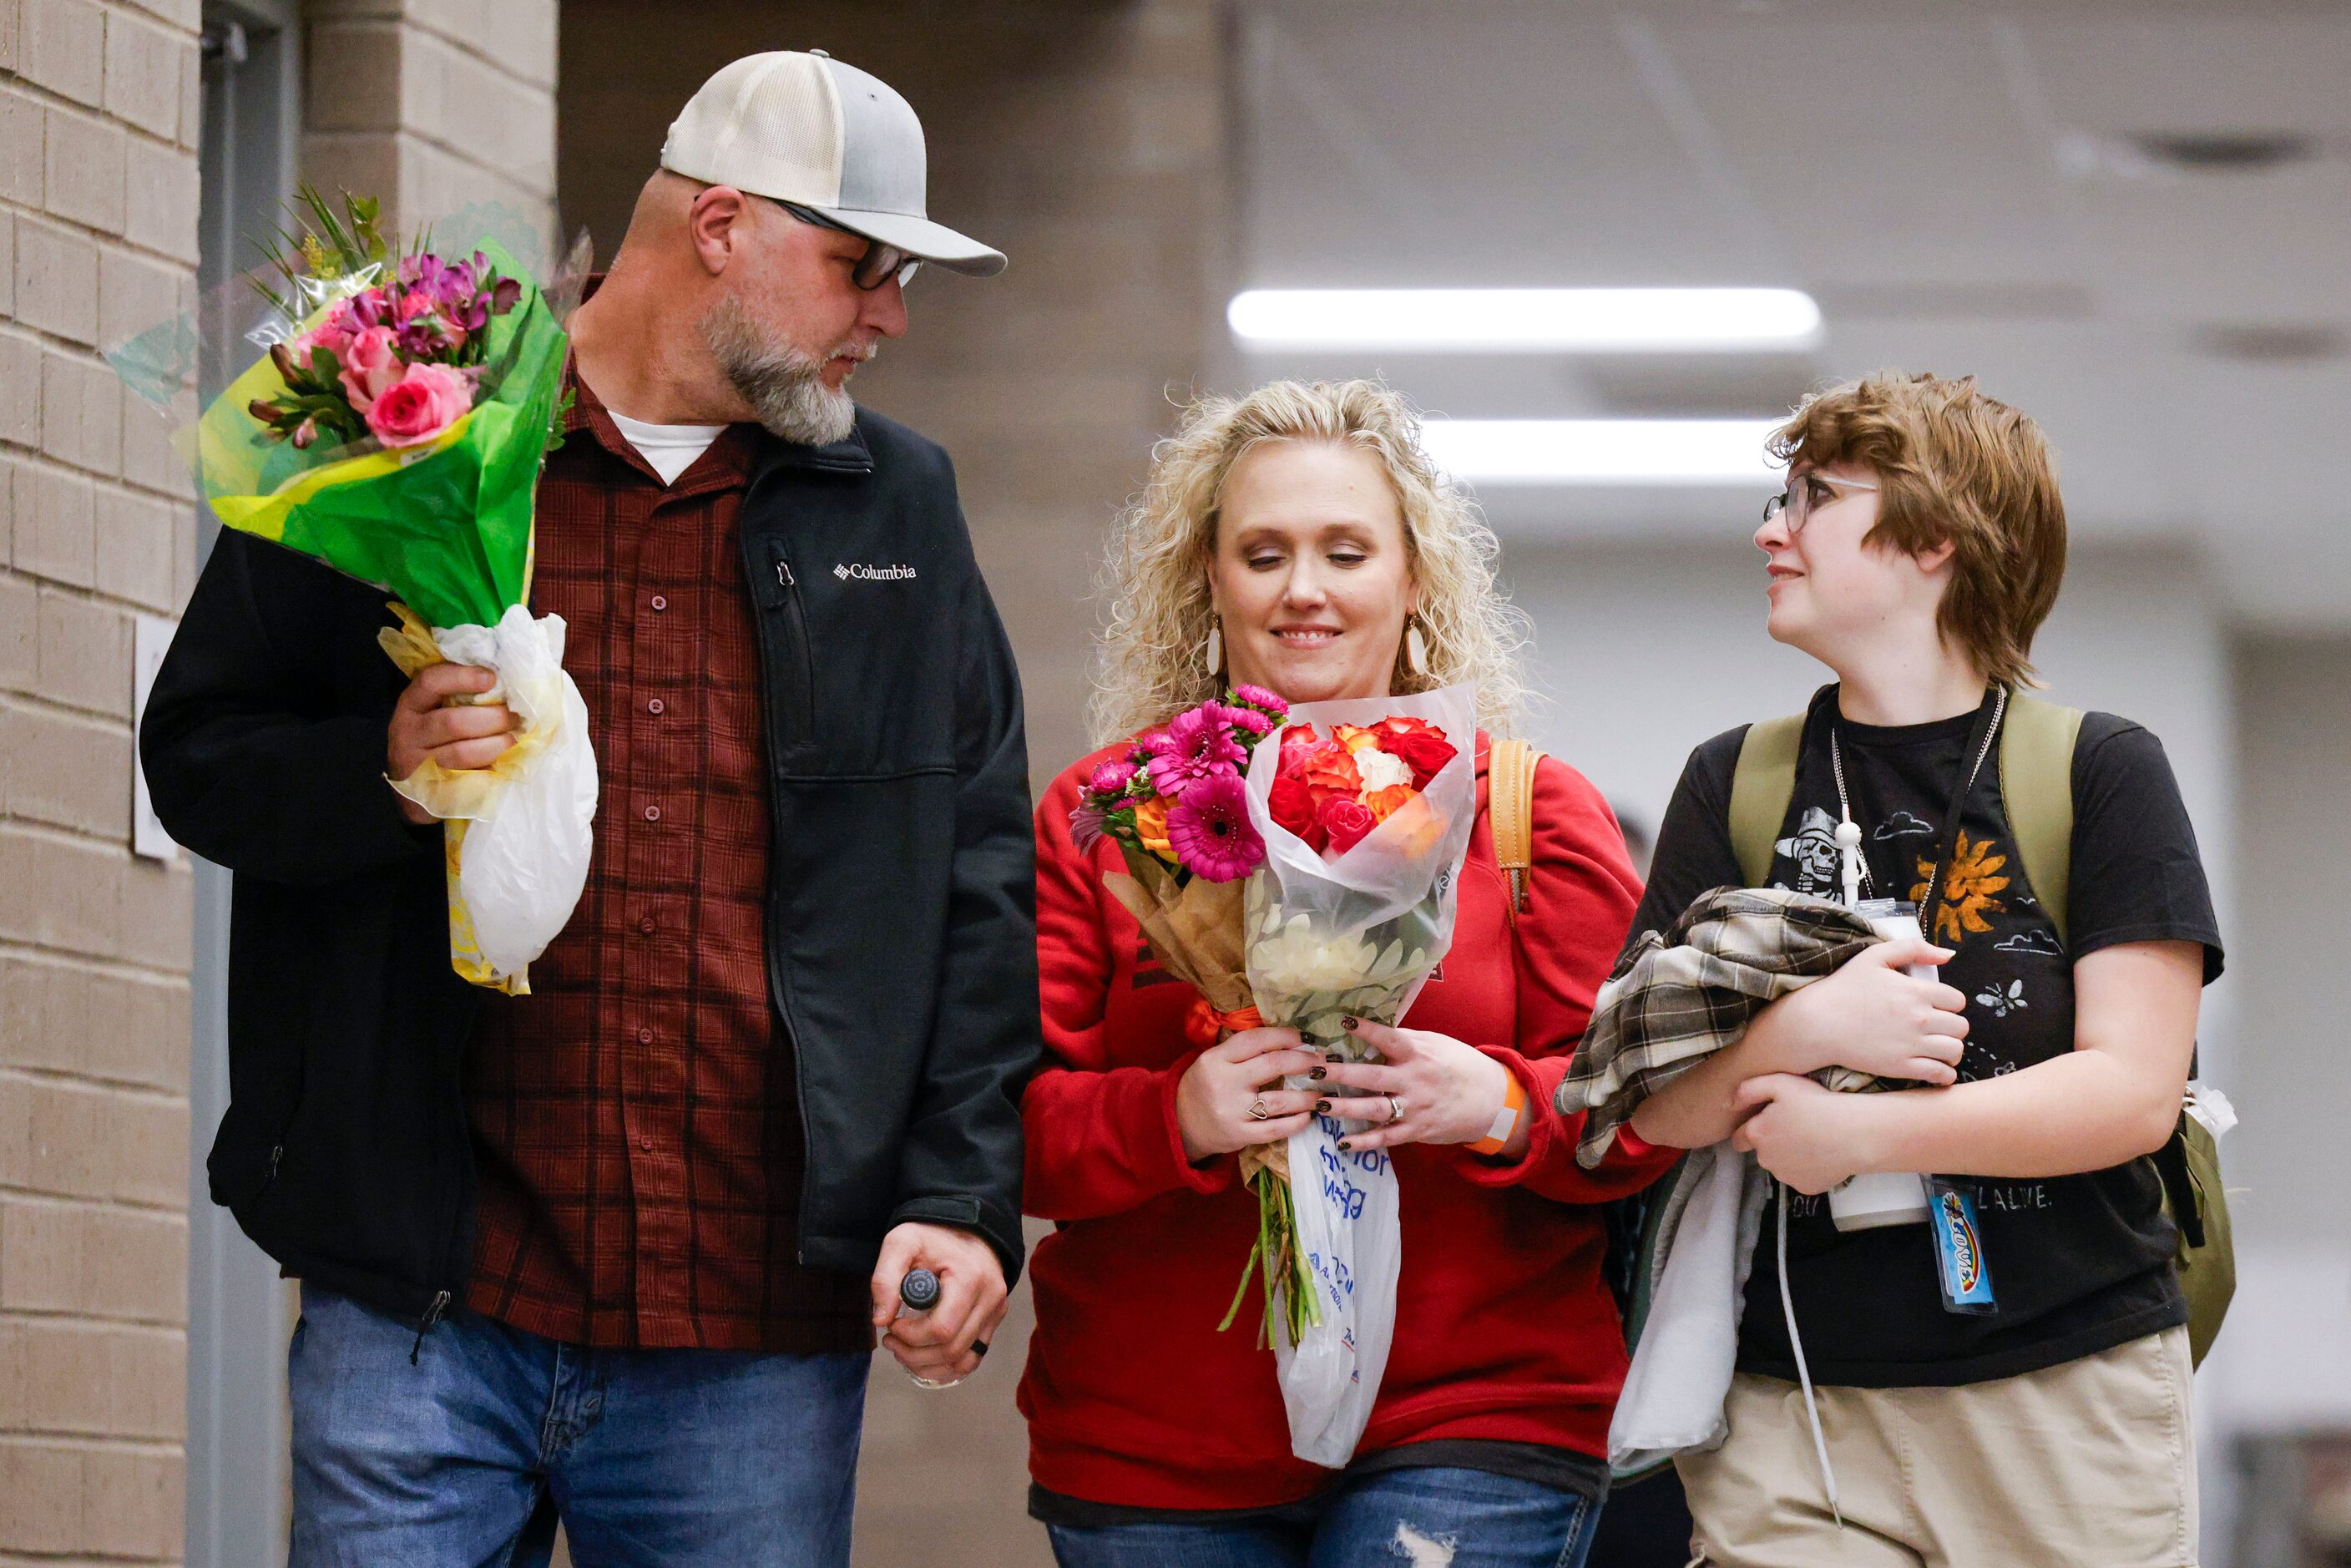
(806, 129)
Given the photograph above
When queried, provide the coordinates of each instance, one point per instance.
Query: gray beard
(782, 384)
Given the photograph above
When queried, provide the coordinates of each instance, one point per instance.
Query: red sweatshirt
(1504, 1329)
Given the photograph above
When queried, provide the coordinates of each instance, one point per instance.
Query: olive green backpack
(2036, 782)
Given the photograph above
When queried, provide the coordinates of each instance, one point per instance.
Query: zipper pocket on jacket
(790, 671)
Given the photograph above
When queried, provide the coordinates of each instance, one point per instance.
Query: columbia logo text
(864, 573)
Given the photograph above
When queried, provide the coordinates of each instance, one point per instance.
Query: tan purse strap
(1511, 807)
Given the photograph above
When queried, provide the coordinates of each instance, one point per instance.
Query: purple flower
(1111, 777)
(427, 336)
(1248, 718)
(1086, 828)
(1210, 833)
(1194, 747)
(1258, 697)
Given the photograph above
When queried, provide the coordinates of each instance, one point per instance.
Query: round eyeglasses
(879, 264)
(1805, 491)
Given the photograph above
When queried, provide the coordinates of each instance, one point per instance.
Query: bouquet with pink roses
(394, 430)
(398, 360)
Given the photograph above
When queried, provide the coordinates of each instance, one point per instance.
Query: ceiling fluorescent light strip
(1528, 320)
(1602, 451)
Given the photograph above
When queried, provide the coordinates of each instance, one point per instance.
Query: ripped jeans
(1435, 1518)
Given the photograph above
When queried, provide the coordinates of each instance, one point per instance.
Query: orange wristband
(1506, 1121)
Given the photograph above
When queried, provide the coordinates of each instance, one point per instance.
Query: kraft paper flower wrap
(394, 428)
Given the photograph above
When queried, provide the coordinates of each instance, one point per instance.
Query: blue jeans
(1435, 1518)
(466, 1460)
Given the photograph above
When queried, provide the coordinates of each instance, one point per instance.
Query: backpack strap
(1760, 788)
(2036, 785)
(1510, 809)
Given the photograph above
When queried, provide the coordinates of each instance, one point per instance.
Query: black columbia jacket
(901, 942)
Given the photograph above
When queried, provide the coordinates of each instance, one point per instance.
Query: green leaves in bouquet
(556, 421)
(313, 403)
(324, 243)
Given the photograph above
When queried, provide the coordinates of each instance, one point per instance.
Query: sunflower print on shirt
(1968, 890)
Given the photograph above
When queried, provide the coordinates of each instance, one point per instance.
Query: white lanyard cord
(1855, 873)
(1805, 1372)
(1855, 869)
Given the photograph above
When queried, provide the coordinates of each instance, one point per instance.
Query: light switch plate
(150, 638)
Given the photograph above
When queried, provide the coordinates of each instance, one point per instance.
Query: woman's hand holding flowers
(1214, 1100)
(1450, 1092)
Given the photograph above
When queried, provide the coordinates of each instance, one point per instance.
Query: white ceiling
(1957, 183)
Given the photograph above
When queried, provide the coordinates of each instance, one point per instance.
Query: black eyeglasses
(1797, 501)
(881, 261)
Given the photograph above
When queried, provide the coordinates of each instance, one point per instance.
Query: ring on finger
(1257, 1111)
(1395, 1110)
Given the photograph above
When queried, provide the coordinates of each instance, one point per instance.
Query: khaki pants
(2086, 1465)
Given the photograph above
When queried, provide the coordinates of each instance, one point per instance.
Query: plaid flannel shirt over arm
(1678, 996)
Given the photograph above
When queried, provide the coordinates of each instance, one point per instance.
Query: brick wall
(431, 104)
(97, 236)
(1086, 138)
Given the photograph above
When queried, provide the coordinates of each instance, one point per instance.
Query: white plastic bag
(1356, 935)
(522, 854)
(1354, 1248)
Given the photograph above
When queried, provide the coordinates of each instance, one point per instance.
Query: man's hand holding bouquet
(394, 430)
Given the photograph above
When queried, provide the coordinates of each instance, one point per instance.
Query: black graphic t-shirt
(2079, 1263)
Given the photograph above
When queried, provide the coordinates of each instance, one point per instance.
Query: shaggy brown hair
(1955, 466)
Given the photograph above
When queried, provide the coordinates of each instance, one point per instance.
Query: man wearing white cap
(616, 1253)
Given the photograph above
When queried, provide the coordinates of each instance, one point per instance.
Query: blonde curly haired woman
(1298, 539)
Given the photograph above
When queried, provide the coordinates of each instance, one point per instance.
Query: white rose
(1293, 959)
(1381, 772)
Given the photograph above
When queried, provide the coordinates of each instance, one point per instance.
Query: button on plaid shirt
(635, 1118)
(1678, 996)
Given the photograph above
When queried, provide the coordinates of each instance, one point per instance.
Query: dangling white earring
(1216, 650)
(1416, 648)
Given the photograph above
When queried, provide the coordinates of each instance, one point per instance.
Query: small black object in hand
(919, 1290)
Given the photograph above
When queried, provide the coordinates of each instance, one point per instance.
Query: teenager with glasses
(1917, 547)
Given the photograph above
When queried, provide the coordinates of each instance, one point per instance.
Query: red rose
(1426, 752)
(1293, 806)
(1346, 820)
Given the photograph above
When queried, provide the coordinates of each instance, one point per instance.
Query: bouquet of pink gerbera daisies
(1177, 807)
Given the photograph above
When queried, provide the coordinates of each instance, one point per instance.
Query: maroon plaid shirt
(635, 1117)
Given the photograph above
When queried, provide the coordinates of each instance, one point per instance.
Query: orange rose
(1382, 803)
(1422, 826)
(1354, 737)
(1332, 772)
(1151, 827)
